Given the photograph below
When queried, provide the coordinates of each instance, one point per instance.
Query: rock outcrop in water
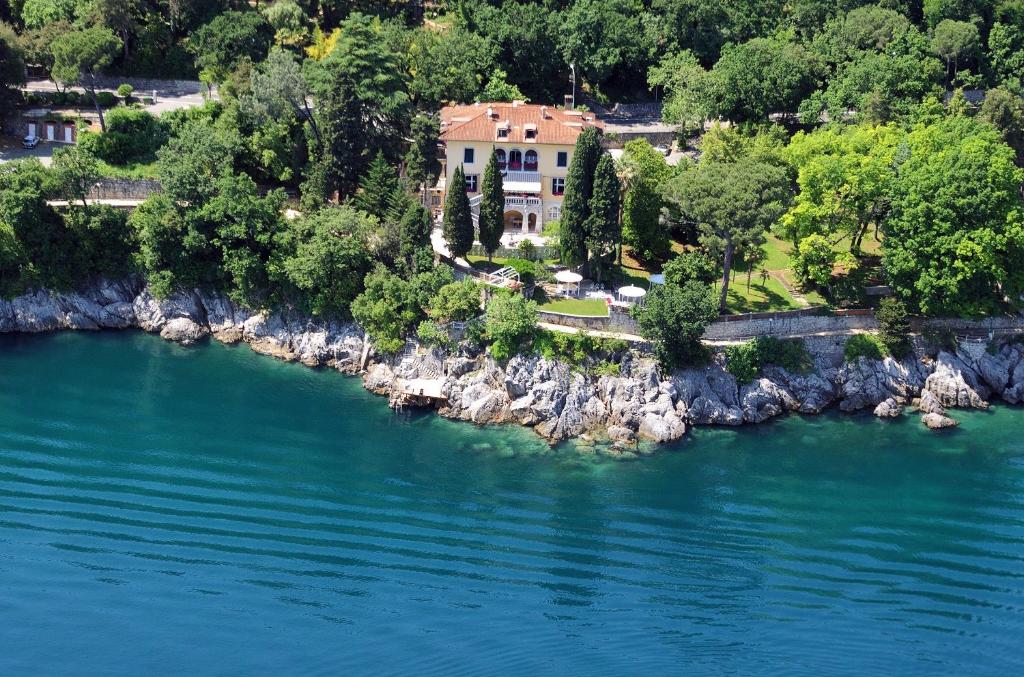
(639, 404)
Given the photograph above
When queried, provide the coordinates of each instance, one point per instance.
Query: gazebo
(570, 280)
(631, 294)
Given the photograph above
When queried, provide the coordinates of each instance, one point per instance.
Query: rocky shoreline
(559, 403)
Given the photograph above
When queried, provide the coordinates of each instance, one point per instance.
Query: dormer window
(503, 129)
(530, 132)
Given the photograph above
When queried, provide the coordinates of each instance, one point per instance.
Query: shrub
(746, 360)
(812, 261)
(606, 368)
(696, 266)
(125, 91)
(431, 334)
(864, 345)
(576, 348)
(132, 135)
(511, 321)
(106, 99)
(894, 326)
(527, 250)
(528, 270)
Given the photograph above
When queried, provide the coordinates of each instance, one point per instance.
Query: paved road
(168, 96)
(10, 149)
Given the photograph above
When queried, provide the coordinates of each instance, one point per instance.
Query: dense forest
(880, 142)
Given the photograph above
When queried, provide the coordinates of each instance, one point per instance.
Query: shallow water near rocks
(169, 510)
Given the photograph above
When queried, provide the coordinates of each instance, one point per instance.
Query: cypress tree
(377, 187)
(604, 230)
(492, 208)
(337, 160)
(458, 223)
(579, 184)
(414, 235)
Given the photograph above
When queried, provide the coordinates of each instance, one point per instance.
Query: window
(502, 132)
(471, 182)
(554, 213)
(515, 160)
(499, 155)
(563, 159)
(530, 164)
(531, 133)
(558, 186)
(468, 156)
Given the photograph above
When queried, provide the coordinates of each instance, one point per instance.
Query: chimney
(490, 112)
(543, 112)
(568, 102)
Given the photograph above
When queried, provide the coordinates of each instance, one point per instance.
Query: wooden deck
(418, 392)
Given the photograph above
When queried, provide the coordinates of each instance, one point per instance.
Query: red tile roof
(472, 123)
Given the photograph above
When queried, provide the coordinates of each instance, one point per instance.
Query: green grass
(132, 170)
(760, 298)
(584, 307)
(481, 263)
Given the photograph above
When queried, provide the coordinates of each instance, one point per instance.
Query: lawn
(132, 170)
(585, 307)
(759, 298)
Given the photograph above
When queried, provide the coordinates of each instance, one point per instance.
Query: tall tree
(12, 68)
(644, 170)
(79, 56)
(579, 185)
(421, 165)
(955, 237)
(229, 39)
(674, 318)
(492, 208)
(733, 204)
(376, 187)
(338, 159)
(279, 89)
(458, 221)
(604, 231)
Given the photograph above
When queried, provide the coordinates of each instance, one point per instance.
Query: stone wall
(617, 322)
(124, 189)
(145, 86)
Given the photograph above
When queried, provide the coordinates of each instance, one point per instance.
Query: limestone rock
(937, 421)
(955, 384)
(888, 408)
(929, 404)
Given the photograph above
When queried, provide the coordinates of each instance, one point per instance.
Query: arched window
(515, 160)
(499, 155)
(530, 163)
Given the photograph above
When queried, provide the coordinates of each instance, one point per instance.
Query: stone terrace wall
(123, 189)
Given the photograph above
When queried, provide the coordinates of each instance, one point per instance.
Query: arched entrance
(513, 220)
(531, 222)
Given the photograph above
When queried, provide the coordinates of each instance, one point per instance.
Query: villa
(533, 145)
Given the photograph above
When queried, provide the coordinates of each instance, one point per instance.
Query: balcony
(522, 182)
(512, 201)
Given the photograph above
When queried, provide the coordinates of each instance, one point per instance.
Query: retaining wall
(123, 189)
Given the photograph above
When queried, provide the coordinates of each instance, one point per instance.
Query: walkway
(561, 328)
(110, 202)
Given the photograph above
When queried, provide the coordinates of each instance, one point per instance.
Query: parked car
(663, 149)
(30, 141)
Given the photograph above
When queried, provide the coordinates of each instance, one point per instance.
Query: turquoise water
(166, 510)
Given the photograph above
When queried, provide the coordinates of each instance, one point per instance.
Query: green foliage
(448, 66)
(674, 318)
(607, 39)
(329, 259)
(894, 326)
(527, 250)
(578, 349)
(745, 361)
(78, 56)
(864, 345)
(644, 170)
(12, 67)
(492, 208)
(511, 321)
(337, 159)
(955, 236)
(421, 165)
(38, 13)
(813, 260)
(733, 203)
(843, 176)
(221, 45)
(431, 334)
(455, 302)
(457, 224)
(499, 89)
(604, 231)
(376, 187)
(579, 185)
(1004, 110)
(132, 136)
(694, 266)
(387, 310)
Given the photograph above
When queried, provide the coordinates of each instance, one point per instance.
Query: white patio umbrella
(631, 293)
(569, 278)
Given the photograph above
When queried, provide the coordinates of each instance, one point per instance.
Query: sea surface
(207, 511)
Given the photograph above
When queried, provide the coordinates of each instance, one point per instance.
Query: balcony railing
(519, 201)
